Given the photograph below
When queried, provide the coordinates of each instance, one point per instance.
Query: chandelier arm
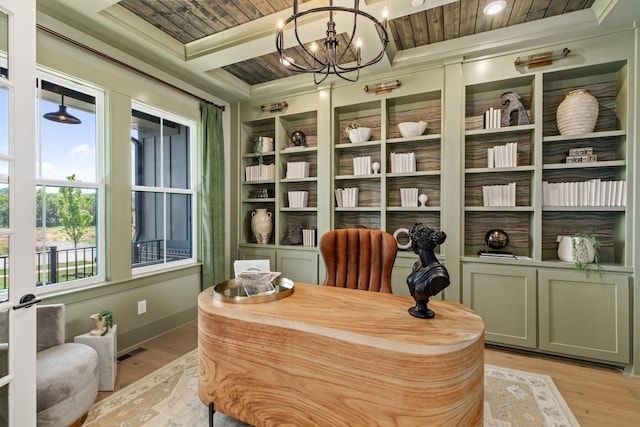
(330, 67)
(324, 77)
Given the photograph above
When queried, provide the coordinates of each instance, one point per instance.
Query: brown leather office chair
(359, 258)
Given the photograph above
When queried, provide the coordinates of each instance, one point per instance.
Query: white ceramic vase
(577, 113)
(360, 134)
(267, 144)
(261, 225)
(584, 253)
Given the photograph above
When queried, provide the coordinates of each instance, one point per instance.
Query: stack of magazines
(496, 254)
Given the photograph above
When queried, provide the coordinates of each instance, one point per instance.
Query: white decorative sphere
(375, 166)
(423, 199)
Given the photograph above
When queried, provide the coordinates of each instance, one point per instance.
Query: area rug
(168, 397)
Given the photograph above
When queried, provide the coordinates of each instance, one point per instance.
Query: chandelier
(335, 55)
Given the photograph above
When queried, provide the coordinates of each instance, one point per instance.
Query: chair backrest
(50, 326)
(359, 258)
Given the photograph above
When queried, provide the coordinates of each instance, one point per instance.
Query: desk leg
(211, 412)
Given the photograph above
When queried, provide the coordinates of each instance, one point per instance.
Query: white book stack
(499, 195)
(298, 199)
(403, 162)
(503, 156)
(309, 237)
(260, 172)
(297, 170)
(594, 192)
(493, 118)
(347, 197)
(409, 197)
(362, 165)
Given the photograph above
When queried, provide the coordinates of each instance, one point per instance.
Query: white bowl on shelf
(408, 129)
(360, 134)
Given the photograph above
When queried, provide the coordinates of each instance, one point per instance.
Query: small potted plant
(581, 249)
(103, 322)
(357, 133)
(261, 145)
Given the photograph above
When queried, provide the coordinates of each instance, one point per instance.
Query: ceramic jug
(261, 225)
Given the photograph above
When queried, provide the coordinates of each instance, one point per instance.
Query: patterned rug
(168, 397)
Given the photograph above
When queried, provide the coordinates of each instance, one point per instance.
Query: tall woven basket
(577, 113)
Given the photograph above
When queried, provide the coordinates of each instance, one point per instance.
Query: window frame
(163, 115)
(99, 184)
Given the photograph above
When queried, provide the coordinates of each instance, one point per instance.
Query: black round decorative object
(496, 239)
(298, 139)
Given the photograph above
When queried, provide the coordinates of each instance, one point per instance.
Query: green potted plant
(261, 145)
(103, 322)
(582, 249)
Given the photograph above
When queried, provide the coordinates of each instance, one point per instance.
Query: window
(69, 185)
(163, 196)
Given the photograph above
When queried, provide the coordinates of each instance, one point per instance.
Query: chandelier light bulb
(385, 13)
(314, 47)
(280, 23)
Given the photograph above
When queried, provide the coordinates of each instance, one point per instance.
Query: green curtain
(212, 197)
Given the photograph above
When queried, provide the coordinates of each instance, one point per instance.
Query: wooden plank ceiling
(187, 21)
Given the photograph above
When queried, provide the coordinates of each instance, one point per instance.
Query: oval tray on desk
(230, 291)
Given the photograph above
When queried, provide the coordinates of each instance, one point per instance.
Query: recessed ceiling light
(416, 3)
(494, 7)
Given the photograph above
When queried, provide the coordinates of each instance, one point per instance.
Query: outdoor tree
(75, 216)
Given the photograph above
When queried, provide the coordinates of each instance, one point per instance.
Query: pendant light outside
(61, 116)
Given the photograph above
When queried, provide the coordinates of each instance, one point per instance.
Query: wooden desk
(328, 356)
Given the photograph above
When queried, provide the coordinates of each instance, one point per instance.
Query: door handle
(27, 301)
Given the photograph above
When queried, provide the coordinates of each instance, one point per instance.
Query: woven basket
(577, 113)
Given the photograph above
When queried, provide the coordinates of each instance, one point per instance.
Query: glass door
(17, 213)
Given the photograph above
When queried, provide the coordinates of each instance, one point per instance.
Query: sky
(66, 149)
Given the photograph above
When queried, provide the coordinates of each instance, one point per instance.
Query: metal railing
(151, 252)
(61, 265)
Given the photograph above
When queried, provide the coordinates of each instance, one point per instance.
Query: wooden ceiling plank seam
(251, 10)
(185, 30)
(219, 12)
(249, 71)
(151, 15)
(272, 66)
(394, 33)
(575, 5)
(237, 13)
(192, 16)
(483, 22)
(556, 7)
(405, 32)
(267, 7)
(538, 10)
(519, 12)
(451, 13)
(468, 14)
(215, 26)
(419, 28)
(501, 20)
(435, 24)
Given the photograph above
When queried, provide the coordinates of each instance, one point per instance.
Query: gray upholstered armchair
(66, 373)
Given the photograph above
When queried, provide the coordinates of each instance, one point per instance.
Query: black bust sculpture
(428, 276)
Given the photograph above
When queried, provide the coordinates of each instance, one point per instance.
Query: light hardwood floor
(598, 396)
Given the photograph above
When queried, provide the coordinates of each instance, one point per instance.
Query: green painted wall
(171, 296)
